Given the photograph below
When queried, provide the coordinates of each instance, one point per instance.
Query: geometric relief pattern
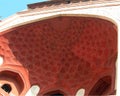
(61, 51)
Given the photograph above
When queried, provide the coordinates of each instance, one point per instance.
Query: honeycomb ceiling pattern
(61, 51)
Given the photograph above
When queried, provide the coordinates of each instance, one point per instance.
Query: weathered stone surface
(63, 52)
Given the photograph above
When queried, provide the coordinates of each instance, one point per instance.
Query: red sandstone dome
(61, 55)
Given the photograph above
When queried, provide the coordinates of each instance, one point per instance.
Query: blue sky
(10, 7)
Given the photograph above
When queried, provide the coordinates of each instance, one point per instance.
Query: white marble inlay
(33, 91)
(80, 92)
(1, 60)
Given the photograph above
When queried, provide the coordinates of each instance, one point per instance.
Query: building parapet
(64, 2)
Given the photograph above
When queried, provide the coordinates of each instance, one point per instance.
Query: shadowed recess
(101, 86)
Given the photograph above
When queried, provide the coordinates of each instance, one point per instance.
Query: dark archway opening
(57, 94)
(54, 93)
(102, 86)
(7, 88)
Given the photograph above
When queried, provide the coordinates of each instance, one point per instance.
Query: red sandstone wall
(64, 53)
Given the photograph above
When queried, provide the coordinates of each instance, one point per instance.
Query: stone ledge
(64, 2)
